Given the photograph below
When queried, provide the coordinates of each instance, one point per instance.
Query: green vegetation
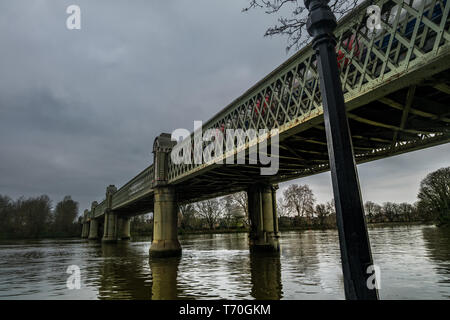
(34, 218)
(141, 226)
(434, 196)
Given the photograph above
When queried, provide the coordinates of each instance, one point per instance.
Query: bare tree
(391, 211)
(406, 211)
(330, 207)
(187, 215)
(210, 210)
(300, 199)
(64, 215)
(293, 25)
(238, 199)
(6, 215)
(325, 213)
(372, 210)
(322, 213)
(282, 208)
(228, 208)
(32, 217)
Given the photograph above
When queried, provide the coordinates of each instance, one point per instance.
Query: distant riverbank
(231, 230)
(298, 228)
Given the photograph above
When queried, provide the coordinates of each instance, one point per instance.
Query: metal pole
(353, 238)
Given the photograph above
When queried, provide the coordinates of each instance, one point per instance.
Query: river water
(414, 263)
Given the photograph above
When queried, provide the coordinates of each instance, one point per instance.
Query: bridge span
(396, 85)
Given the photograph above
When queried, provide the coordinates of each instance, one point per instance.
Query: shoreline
(372, 225)
(369, 225)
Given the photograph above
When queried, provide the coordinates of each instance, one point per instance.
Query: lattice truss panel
(411, 32)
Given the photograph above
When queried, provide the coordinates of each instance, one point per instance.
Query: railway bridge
(396, 85)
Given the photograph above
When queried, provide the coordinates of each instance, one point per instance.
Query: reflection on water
(266, 276)
(164, 278)
(414, 262)
(123, 272)
(437, 242)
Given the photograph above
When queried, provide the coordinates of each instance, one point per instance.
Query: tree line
(35, 217)
(296, 207)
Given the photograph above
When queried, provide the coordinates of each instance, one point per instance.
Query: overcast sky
(79, 109)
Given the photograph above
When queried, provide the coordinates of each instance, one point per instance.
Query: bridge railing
(411, 32)
(135, 188)
(100, 209)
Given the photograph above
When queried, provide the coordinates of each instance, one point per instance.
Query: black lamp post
(354, 241)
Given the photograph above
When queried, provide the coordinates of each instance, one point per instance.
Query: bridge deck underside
(140, 206)
(409, 119)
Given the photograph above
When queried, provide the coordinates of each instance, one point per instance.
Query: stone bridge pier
(94, 224)
(124, 228)
(85, 229)
(165, 212)
(264, 234)
(262, 208)
(110, 228)
(115, 227)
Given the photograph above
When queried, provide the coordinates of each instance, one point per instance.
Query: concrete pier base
(124, 227)
(85, 230)
(93, 230)
(165, 214)
(164, 278)
(264, 234)
(110, 227)
(266, 275)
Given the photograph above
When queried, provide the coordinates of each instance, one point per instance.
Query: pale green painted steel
(411, 46)
(100, 209)
(138, 187)
(292, 89)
